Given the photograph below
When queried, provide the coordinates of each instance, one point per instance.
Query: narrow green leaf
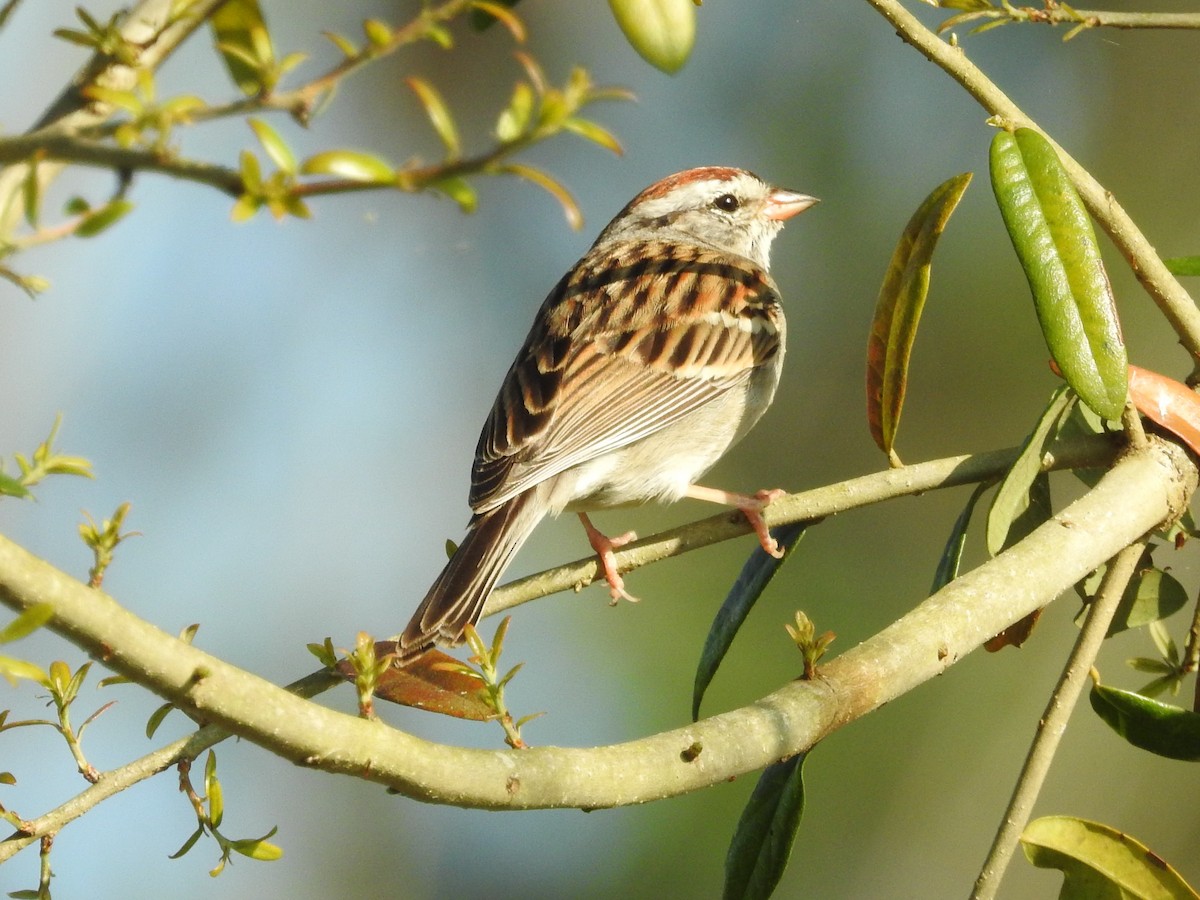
(378, 32)
(258, 848)
(439, 115)
(460, 191)
(540, 178)
(1054, 240)
(188, 844)
(11, 487)
(756, 574)
(1183, 265)
(212, 790)
(1015, 496)
(275, 146)
(12, 669)
(31, 194)
(514, 119)
(661, 31)
(481, 17)
(156, 718)
(103, 217)
(898, 310)
(350, 164)
(29, 621)
(1151, 725)
(1099, 862)
(594, 133)
(344, 44)
(241, 36)
(486, 13)
(766, 831)
(948, 565)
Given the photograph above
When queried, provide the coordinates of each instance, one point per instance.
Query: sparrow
(650, 358)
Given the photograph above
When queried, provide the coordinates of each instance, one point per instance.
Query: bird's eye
(727, 203)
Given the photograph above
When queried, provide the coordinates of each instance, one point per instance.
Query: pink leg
(751, 508)
(604, 547)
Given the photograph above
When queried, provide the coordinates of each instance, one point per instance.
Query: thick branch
(1141, 491)
(806, 506)
(1174, 302)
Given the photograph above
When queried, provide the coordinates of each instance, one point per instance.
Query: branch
(1173, 301)
(1141, 491)
(1053, 723)
(149, 25)
(1054, 14)
(806, 506)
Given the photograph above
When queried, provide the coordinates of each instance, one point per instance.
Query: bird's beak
(782, 205)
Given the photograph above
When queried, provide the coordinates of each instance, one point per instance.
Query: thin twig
(1053, 723)
(1053, 14)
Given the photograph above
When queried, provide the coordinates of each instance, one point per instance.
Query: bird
(652, 356)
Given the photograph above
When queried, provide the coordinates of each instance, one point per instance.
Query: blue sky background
(292, 410)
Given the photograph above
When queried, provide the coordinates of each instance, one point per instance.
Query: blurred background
(292, 410)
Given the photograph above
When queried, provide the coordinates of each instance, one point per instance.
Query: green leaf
(1151, 725)
(100, 219)
(11, 487)
(275, 146)
(1100, 863)
(898, 311)
(350, 164)
(459, 190)
(258, 848)
(343, 43)
(484, 13)
(766, 831)
(1022, 501)
(29, 621)
(540, 178)
(212, 790)
(439, 115)
(515, 117)
(756, 574)
(1183, 265)
(661, 31)
(948, 565)
(156, 718)
(188, 844)
(1053, 236)
(594, 133)
(1150, 596)
(12, 669)
(378, 32)
(240, 34)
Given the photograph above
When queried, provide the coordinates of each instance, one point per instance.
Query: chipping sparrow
(651, 357)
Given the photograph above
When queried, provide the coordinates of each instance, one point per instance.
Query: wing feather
(636, 336)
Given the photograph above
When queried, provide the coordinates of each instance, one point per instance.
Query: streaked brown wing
(596, 374)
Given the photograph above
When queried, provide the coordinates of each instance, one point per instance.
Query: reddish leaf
(1167, 402)
(433, 681)
(898, 311)
(1014, 635)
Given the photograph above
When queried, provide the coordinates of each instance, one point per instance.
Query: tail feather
(456, 598)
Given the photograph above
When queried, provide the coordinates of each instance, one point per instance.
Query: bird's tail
(457, 596)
